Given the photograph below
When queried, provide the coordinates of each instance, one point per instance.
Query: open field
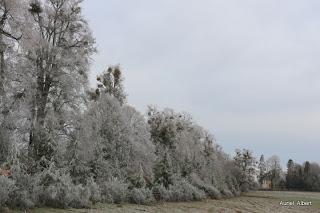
(250, 202)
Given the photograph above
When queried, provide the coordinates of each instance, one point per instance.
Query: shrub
(94, 189)
(237, 193)
(136, 180)
(21, 198)
(6, 187)
(22, 195)
(252, 186)
(114, 191)
(79, 196)
(210, 190)
(245, 187)
(234, 186)
(55, 189)
(226, 193)
(184, 191)
(160, 193)
(181, 190)
(231, 185)
(141, 196)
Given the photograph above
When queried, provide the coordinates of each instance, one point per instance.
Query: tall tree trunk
(38, 136)
(2, 64)
(4, 145)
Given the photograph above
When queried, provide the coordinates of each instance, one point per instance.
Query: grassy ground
(250, 202)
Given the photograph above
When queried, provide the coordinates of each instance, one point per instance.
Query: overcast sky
(248, 71)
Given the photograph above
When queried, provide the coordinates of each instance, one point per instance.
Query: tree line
(305, 177)
(63, 144)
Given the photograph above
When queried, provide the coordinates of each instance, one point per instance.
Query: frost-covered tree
(143, 148)
(110, 82)
(186, 151)
(7, 18)
(246, 164)
(167, 126)
(274, 171)
(116, 140)
(273, 163)
(56, 58)
(11, 28)
(64, 148)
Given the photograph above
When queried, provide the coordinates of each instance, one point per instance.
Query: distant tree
(298, 177)
(294, 177)
(307, 177)
(306, 170)
(303, 177)
(246, 164)
(290, 174)
(315, 176)
(275, 171)
(262, 169)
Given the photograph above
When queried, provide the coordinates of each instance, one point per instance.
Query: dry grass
(252, 202)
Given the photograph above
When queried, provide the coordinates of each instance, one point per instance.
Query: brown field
(251, 202)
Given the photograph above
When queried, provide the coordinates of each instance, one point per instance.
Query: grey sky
(249, 71)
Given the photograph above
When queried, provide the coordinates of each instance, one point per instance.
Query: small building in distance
(266, 183)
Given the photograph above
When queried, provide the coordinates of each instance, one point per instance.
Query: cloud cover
(246, 70)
